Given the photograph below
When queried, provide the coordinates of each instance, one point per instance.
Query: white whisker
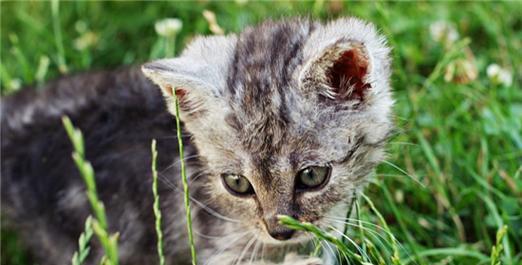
(178, 162)
(254, 252)
(404, 172)
(224, 248)
(200, 204)
(351, 242)
(245, 249)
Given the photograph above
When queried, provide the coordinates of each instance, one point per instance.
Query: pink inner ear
(184, 103)
(348, 73)
(180, 93)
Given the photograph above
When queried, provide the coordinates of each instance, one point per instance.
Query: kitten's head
(289, 117)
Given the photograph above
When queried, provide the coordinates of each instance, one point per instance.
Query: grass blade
(156, 205)
(99, 225)
(83, 243)
(55, 10)
(185, 187)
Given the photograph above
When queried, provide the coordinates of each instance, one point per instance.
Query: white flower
(443, 32)
(499, 75)
(168, 27)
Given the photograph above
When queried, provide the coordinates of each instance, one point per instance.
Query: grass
(453, 177)
(83, 244)
(99, 225)
(186, 197)
(156, 206)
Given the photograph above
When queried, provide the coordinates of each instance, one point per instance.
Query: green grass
(99, 225)
(453, 176)
(83, 244)
(156, 206)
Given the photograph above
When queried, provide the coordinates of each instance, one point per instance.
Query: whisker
(332, 252)
(263, 252)
(404, 172)
(347, 219)
(224, 248)
(254, 252)
(178, 162)
(216, 237)
(174, 136)
(196, 176)
(366, 228)
(351, 242)
(403, 143)
(245, 249)
(376, 233)
(200, 204)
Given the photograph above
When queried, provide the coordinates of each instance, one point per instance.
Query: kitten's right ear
(347, 61)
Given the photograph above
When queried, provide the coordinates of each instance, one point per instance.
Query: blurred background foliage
(453, 175)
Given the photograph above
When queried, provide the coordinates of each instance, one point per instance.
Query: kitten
(285, 118)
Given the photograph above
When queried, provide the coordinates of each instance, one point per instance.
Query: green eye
(313, 177)
(237, 184)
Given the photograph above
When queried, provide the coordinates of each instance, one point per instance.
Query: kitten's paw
(294, 259)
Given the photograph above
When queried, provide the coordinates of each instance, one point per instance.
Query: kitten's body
(43, 194)
(264, 105)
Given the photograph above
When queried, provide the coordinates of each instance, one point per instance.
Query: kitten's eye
(313, 177)
(237, 184)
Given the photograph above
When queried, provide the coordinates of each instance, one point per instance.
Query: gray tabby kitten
(290, 118)
(285, 118)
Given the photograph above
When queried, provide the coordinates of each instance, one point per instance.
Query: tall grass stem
(99, 225)
(156, 205)
(185, 186)
(55, 11)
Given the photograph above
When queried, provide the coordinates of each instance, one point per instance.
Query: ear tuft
(348, 73)
(168, 90)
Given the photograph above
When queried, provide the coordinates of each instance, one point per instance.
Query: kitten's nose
(282, 233)
(277, 230)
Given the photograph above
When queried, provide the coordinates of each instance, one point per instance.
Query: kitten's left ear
(196, 78)
(187, 79)
(347, 61)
